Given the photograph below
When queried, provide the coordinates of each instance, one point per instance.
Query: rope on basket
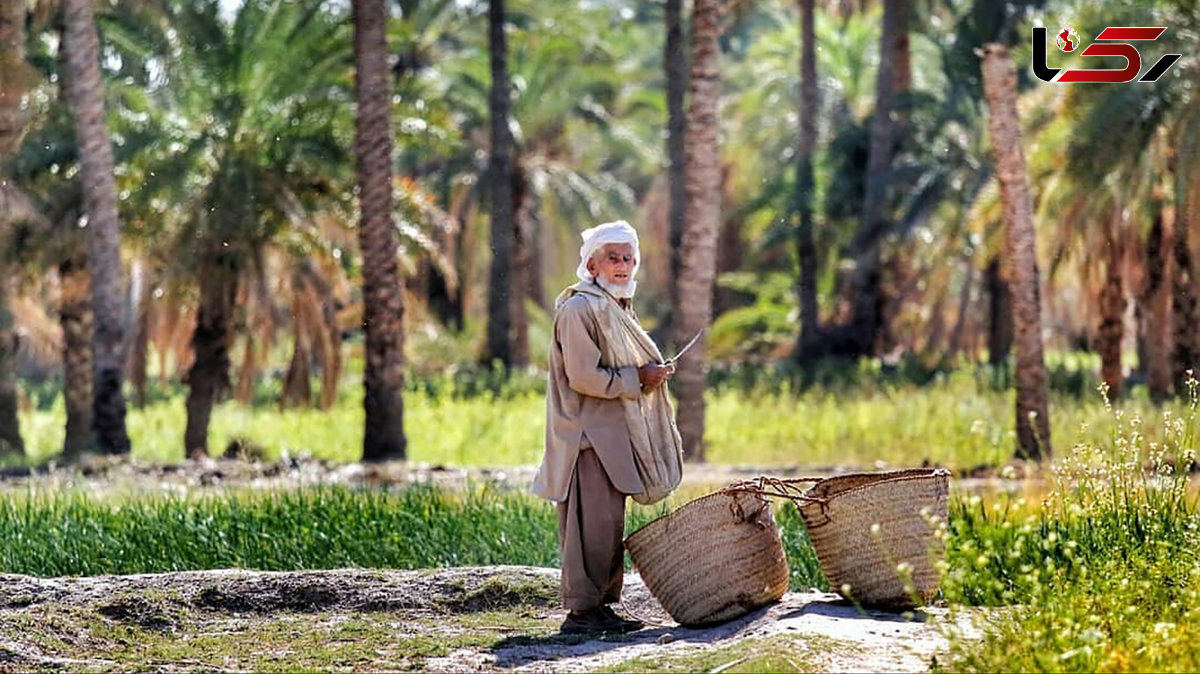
(765, 485)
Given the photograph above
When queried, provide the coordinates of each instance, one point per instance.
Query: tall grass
(72, 533)
(54, 534)
(1106, 572)
(959, 421)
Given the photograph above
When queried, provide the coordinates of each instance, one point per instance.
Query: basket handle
(765, 485)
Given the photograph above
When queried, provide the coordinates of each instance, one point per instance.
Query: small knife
(685, 348)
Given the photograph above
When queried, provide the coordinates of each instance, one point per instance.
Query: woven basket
(714, 559)
(840, 517)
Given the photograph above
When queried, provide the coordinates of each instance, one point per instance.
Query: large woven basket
(873, 534)
(714, 559)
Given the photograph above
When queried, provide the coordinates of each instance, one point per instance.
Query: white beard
(620, 291)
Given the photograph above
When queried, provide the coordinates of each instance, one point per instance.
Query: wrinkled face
(613, 264)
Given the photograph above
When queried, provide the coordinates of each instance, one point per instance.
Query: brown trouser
(591, 524)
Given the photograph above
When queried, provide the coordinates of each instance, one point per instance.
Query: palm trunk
(331, 358)
(1000, 319)
(297, 383)
(16, 76)
(383, 298)
(901, 54)
(866, 247)
(14, 113)
(247, 372)
(1112, 312)
(959, 330)
(139, 351)
(208, 378)
(698, 253)
(675, 64)
(1155, 305)
(500, 180)
(1185, 361)
(75, 314)
(806, 250)
(522, 267)
(10, 432)
(86, 95)
(1000, 90)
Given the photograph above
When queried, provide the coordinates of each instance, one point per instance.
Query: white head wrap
(600, 236)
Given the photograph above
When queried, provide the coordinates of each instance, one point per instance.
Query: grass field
(959, 421)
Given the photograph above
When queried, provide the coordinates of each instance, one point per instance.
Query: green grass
(958, 421)
(71, 533)
(1105, 573)
(62, 534)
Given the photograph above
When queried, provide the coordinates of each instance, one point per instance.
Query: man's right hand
(651, 375)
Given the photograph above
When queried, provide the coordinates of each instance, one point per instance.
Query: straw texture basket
(840, 516)
(714, 559)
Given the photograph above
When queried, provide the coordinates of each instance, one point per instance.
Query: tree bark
(522, 266)
(702, 215)
(1186, 354)
(500, 180)
(14, 114)
(806, 250)
(675, 64)
(208, 378)
(383, 299)
(1155, 305)
(1000, 90)
(866, 247)
(297, 382)
(139, 351)
(1000, 318)
(86, 96)
(900, 47)
(75, 314)
(1112, 312)
(16, 76)
(10, 433)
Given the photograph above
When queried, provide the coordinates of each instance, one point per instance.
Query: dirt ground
(465, 619)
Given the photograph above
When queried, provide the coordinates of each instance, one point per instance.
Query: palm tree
(241, 154)
(504, 314)
(86, 94)
(383, 302)
(702, 214)
(1000, 90)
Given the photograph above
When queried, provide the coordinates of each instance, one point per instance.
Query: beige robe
(583, 397)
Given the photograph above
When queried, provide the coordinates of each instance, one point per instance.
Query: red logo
(1067, 40)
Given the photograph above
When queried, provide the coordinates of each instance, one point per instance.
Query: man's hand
(653, 374)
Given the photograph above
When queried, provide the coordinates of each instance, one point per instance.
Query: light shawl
(657, 447)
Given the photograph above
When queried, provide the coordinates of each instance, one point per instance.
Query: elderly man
(610, 428)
